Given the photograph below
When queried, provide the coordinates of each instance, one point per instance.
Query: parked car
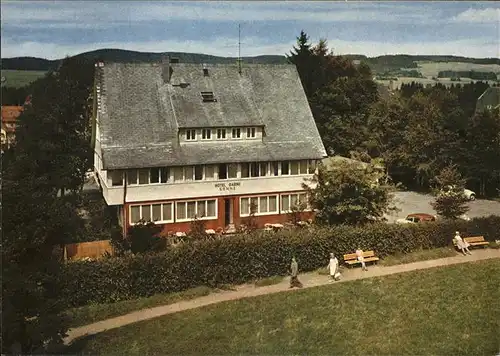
(469, 194)
(416, 218)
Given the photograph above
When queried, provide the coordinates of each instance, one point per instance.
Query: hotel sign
(224, 187)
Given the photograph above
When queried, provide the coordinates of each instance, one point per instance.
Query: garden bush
(243, 258)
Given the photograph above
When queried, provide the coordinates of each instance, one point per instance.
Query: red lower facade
(227, 211)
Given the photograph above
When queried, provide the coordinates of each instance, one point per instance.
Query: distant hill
(124, 56)
(378, 64)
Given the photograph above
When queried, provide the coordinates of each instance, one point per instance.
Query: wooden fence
(93, 249)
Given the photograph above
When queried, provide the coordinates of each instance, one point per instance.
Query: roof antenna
(239, 48)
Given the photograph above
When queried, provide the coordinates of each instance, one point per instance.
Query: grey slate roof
(140, 115)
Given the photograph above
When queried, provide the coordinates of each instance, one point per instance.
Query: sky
(54, 29)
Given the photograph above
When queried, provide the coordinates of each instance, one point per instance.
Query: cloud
(488, 15)
(227, 47)
(106, 14)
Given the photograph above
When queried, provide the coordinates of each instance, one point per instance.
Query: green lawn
(20, 78)
(422, 255)
(95, 312)
(441, 311)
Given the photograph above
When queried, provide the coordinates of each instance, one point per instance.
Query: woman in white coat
(461, 244)
(334, 268)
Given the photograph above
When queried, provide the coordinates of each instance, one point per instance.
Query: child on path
(334, 268)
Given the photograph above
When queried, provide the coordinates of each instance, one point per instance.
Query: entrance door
(228, 212)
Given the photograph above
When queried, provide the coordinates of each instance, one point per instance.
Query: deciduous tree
(346, 193)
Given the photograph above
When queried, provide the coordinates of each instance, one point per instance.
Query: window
(288, 201)
(312, 167)
(303, 167)
(132, 176)
(190, 135)
(285, 168)
(191, 210)
(254, 169)
(146, 212)
(159, 213)
(294, 167)
(232, 171)
(188, 173)
(178, 174)
(221, 134)
(164, 175)
(223, 171)
(116, 178)
(251, 132)
(209, 172)
(198, 172)
(154, 175)
(275, 168)
(245, 170)
(201, 209)
(143, 176)
(156, 212)
(181, 211)
(206, 134)
(208, 96)
(236, 133)
(262, 205)
(135, 214)
(211, 208)
(263, 169)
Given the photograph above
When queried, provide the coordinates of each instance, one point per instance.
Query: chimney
(165, 69)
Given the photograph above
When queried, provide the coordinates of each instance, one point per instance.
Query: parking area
(411, 202)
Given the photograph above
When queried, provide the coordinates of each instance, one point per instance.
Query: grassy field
(20, 78)
(93, 313)
(422, 255)
(440, 311)
(431, 69)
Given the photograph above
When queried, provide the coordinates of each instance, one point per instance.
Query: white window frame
(189, 135)
(159, 176)
(110, 175)
(237, 130)
(282, 211)
(251, 133)
(206, 134)
(221, 134)
(258, 213)
(163, 221)
(205, 201)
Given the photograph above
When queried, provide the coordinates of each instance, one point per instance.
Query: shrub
(142, 237)
(247, 257)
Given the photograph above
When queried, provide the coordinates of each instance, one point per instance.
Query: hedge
(242, 258)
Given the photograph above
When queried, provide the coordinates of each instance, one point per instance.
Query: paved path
(249, 290)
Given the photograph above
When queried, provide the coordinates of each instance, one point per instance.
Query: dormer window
(190, 135)
(251, 132)
(208, 96)
(221, 134)
(206, 134)
(236, 133)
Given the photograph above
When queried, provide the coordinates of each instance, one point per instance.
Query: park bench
(351, 258)
(474, 241)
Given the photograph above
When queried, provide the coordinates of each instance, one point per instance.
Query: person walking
(294, 279)
(461, 244)
(333, 266)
